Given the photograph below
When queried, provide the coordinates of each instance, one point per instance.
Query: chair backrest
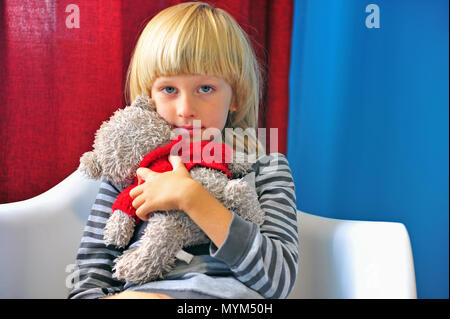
(39, 239)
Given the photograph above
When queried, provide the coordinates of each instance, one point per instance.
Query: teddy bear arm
(119, 229)
(90, 166)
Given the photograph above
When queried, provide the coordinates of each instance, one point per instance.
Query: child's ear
(233, 108)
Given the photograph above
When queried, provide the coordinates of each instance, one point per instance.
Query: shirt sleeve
(92, 277)
(266, 258)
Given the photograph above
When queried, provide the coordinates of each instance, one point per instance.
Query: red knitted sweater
(200, 153)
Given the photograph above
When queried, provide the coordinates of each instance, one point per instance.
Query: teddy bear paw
(137, 267)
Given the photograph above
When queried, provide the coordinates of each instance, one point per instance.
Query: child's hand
(160, 191)
(177, 190)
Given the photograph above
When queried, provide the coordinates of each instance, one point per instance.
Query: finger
(144, 173)
(138, 201)
(136, 191)
(176, 161)
(143, 211)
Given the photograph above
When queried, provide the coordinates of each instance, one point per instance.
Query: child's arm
(265, 258)
(208, 213)
(93, 275)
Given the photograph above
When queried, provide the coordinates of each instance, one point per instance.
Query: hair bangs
(193, 46)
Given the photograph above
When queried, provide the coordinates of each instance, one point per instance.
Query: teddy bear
(137, 136)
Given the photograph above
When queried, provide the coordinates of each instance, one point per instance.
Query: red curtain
(60, 80)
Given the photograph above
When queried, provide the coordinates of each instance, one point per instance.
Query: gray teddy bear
(119, 146)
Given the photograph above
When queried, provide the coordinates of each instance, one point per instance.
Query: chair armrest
(353, 259)
(40, 236)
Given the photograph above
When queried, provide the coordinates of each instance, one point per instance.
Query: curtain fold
(59, 83)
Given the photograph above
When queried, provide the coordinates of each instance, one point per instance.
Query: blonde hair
(196, 38)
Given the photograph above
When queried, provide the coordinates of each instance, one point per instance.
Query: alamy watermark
(373, 19)
(73, 19)
(73, 278)
(241, 145)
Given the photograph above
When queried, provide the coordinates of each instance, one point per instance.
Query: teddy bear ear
(144, 102)
(90, 166)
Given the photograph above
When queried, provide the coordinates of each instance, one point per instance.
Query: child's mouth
(190, 129)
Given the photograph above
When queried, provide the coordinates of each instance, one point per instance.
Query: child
(197, 64)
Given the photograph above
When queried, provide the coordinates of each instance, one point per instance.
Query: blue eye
(169, 90)
(206, 89)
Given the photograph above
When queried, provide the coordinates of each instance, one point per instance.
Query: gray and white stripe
(270, 267)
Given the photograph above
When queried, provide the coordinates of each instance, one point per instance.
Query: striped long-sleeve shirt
(253, 261)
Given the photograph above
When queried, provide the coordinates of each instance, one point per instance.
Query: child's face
(181, 99)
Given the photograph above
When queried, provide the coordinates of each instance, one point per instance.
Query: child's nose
(186, 107)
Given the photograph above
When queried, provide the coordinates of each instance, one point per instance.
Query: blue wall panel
(368, 122)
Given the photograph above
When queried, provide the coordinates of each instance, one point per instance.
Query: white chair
(39, 239)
